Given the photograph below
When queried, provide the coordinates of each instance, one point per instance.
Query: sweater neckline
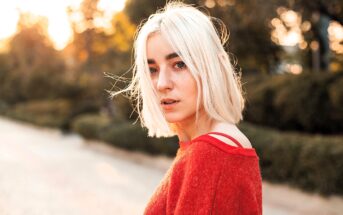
(219, 144)
(184, 144)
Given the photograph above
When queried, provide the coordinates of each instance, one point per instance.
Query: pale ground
(43, 172)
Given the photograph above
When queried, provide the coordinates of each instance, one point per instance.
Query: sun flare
(59, 28)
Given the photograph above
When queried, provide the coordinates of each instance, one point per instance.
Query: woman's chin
(177, 118)
(170, 118)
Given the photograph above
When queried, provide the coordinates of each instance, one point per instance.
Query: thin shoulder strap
(227, 136)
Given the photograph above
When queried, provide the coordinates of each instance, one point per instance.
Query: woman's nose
(164, 81)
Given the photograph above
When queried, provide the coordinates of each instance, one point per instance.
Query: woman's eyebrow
(151, 61)
(172, 55)
(168, 57)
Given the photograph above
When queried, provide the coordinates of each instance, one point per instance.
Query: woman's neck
(190, 129)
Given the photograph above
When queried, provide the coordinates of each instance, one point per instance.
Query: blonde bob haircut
(192, 34)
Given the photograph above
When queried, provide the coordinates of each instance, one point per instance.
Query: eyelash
(153, 70)
(183, 64)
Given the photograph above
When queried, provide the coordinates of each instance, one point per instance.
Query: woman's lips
(169, 104)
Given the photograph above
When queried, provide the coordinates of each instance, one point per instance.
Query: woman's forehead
(159, 47)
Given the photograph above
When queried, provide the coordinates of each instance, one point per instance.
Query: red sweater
(209, 176)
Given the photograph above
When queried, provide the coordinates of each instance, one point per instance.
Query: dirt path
(45, 172)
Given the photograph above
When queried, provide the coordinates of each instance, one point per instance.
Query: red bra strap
(227, 136)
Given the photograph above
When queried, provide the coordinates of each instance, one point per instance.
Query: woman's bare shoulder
(233, 131)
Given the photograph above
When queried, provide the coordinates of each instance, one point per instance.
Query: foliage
(90, 125)
(330, 8)
(335, 93)
(122, 134)
(34, 69)
(98, 53)
(133, 137)
(124, 31)
(96, 49)
(51, 113)
(306, 102)
(313, 163)
(3, 107)
(140, 10)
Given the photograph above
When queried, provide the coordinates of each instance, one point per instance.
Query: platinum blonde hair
(192, 34)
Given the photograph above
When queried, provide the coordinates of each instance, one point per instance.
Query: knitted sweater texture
(209, 176)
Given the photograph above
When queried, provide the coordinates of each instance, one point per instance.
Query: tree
(85, 34)
(98, 51)
(138, 10)
(248, 25)
(320, 13)
(35, 67)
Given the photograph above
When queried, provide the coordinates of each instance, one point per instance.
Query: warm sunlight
(288, 31)
(287, 28)
(336, 37)
(59, 27)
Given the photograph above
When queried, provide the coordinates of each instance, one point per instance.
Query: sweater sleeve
(248, 182)
(194, 185)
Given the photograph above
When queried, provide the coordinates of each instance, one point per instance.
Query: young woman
(185, 85)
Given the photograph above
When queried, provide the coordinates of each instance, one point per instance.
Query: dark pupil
(180, 64)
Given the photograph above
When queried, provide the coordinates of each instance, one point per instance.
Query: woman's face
(175, 86)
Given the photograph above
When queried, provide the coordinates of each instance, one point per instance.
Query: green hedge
(307, 102)
(311, 162)
(123, 134)
(51, 113)
(90, 125)
(3, 107)
(133, 137)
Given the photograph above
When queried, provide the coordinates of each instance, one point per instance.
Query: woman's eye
(180, 65)
(152, 70)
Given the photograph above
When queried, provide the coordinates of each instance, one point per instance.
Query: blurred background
(57, 59)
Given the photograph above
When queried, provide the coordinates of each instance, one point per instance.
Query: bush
(335, 92)
(307, 102)
(321, 165)
(52, 113)
(167, 146)
(3, 107)
(122, 134)
(90, 125)
(126, 136)
(133, 137)
(260, 96)
(314, 163)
